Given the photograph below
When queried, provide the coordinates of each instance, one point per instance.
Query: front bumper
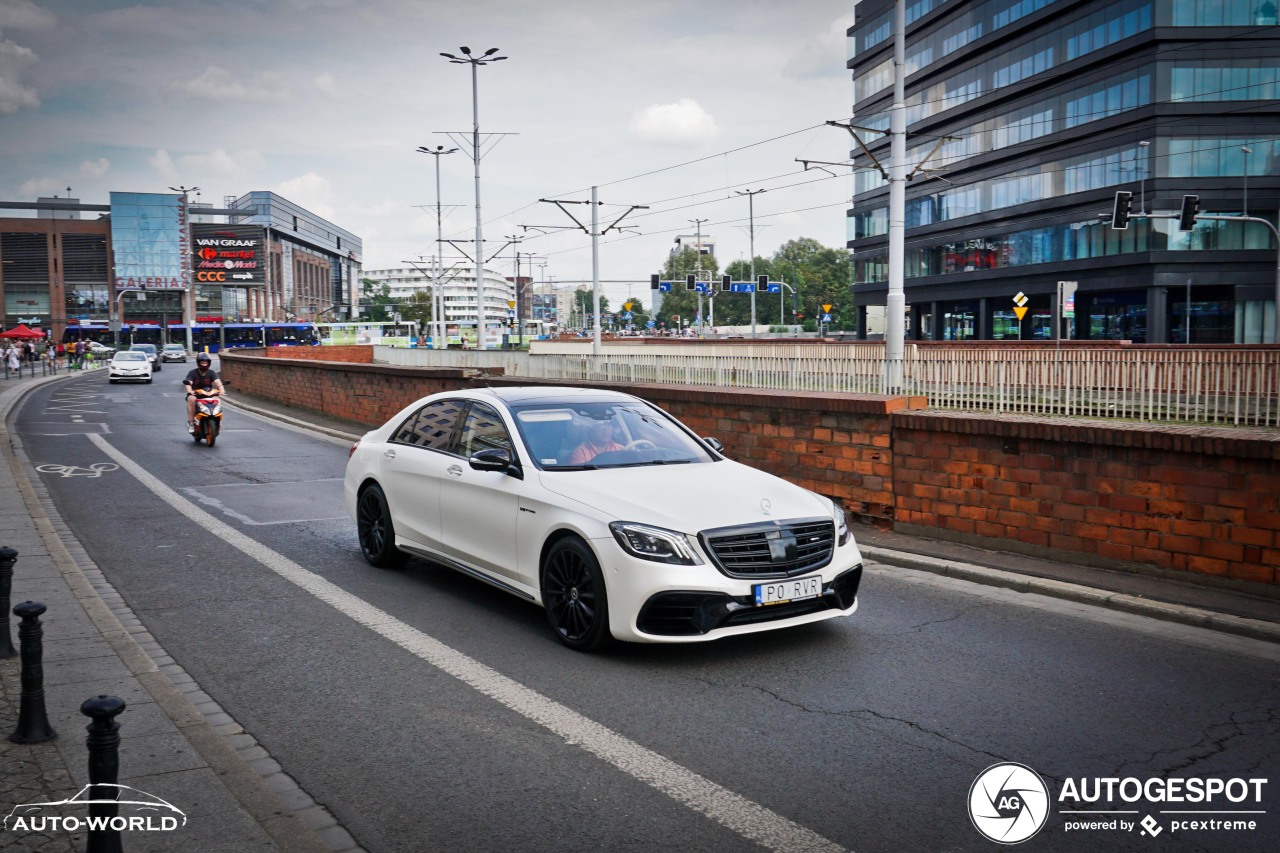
(658, 603)
(130, 374)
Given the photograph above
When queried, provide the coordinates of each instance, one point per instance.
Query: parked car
(100, 350)
(153, 355)
(129, 364)
(174, 352)
(603, 509)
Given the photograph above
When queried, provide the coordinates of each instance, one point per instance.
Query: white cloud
(325, 84)
(824, 54)
(311, 191)
(24, 15)
(42, 187)
(220, 165)
(217, 84)
(94, 168)
(13, 95)
(683, 121)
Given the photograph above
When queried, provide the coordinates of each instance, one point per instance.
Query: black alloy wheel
(574, 596)
(376, 532)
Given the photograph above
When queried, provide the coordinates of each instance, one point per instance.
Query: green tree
(820, 274)
(375, 301)
(584, 307)
(680, 300)
(418, 308)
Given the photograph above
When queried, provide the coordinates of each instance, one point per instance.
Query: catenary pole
(895, 303)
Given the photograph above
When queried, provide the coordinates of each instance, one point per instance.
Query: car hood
(689, 497)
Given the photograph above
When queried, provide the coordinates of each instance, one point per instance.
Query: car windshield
(130, 356)
(174, 347)
(586, 436)
(142, 348)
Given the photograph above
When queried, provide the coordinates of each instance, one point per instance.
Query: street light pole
(751, 236)
(438, 337)
(1144, 145)
(476, 62)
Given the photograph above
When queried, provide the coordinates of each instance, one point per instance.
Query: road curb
(297, 422)
(1183, 614)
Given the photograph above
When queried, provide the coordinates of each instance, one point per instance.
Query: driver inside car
(599, 440)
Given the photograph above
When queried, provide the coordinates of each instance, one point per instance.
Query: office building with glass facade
(144, 257)
(1026, 118)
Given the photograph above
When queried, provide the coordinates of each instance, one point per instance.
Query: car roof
(555, 395)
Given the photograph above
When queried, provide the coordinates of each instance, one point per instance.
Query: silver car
(174, 352)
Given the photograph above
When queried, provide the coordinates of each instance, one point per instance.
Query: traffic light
(653, 282)
(1120, 213)
(690, 282)
(1187, 216)
(726, 282)
(762, 282)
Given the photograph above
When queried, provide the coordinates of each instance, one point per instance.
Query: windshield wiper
(574, 468)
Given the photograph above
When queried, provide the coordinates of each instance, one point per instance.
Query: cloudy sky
(666, 104)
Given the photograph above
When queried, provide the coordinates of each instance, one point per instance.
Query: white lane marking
(750, 820)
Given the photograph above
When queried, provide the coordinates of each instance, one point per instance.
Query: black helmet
(203, 358)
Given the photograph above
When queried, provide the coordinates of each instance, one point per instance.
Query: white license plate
(778, 592)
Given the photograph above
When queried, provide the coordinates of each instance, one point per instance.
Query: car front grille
(684, 614)
(773, 549)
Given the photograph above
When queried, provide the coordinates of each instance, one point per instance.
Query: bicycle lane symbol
(97, 469)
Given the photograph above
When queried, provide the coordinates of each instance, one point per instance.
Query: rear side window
(431, 426)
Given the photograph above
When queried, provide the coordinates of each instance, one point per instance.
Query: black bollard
(104, 770)
(33, 722)
(8, 557)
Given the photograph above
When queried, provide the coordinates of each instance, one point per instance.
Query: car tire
(375, 530)
(148, 380)
(113, 382)
(574, 596)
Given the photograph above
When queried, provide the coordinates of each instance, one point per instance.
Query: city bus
(402, 334)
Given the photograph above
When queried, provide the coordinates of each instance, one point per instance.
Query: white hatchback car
(129, 364)
(603, 509)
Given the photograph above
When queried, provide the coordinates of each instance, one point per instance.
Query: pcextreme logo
(1009, 803)
(138, 812)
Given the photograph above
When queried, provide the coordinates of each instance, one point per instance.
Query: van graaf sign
(228, 254)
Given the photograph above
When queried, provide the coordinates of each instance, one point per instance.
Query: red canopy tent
(23, 332)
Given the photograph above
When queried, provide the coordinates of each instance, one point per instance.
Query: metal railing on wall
(1223, 385)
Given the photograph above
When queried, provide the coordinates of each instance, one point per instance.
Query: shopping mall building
(157, 258)
(1025, 117)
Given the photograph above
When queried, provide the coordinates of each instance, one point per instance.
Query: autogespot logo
(1008, 803)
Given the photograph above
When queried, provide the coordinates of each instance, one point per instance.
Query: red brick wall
(1193, 499)
(354, 354)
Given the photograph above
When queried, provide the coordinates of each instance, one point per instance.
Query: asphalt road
(863, 733)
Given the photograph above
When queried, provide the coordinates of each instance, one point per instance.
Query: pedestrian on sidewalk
(13, 358)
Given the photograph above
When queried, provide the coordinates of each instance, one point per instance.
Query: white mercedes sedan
(604, 510)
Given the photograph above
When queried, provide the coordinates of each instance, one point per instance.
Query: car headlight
(654, 543)
(843, 534)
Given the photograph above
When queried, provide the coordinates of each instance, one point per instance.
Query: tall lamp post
(475, 62)
(751, 235)
(437, 338)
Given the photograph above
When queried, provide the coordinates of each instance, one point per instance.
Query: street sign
(511, 303)
(664, 286)
(826, 318)
(626, 306)
(826, 309)
(775, 288)
(1020, 305)
(627, 315)
(743, 287)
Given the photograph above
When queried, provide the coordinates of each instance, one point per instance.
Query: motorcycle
(208, 421)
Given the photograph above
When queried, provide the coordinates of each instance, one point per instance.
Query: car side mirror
(495, 459)
(714, 443)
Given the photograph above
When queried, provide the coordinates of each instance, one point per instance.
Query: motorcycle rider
(203, 379)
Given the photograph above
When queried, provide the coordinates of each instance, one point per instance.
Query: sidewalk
(173, 744)
(1230, 609)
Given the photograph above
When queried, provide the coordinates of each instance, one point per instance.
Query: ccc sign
(211, 276)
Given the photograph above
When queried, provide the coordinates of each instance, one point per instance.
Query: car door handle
(455, 470)
(389, 453)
